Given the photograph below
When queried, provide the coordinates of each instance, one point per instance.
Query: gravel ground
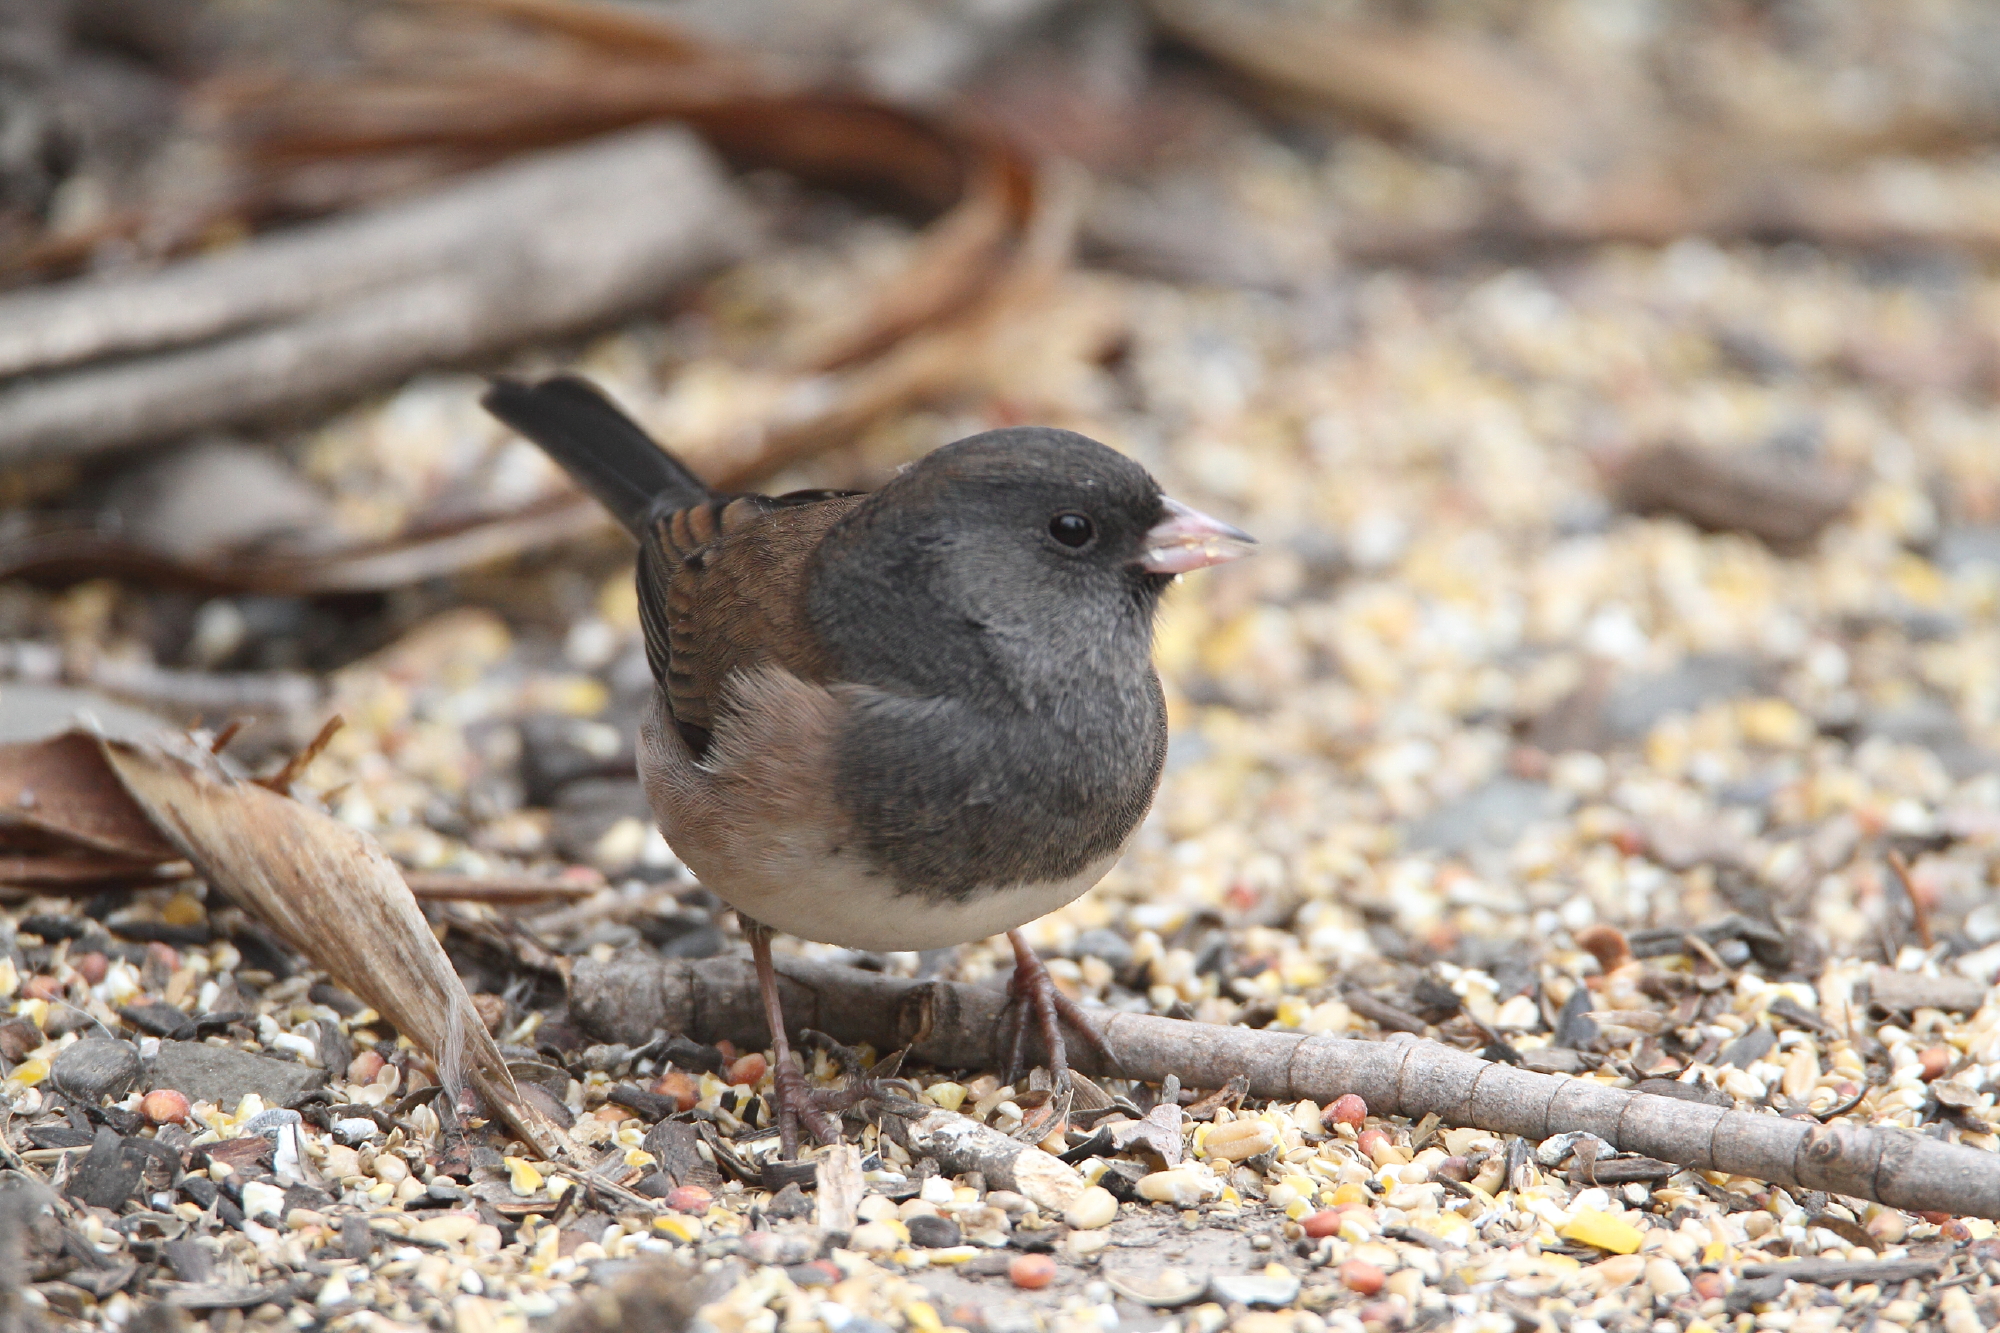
(1466, 750)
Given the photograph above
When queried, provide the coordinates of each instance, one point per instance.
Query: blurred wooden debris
(1664, 151)
(1782, 500)
(548, 245)
(329, 309)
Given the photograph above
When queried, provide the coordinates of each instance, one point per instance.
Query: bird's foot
(861, 1081)
(1034, 1002)
(798, 1104)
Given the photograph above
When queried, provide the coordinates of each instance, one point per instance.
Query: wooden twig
(958, 1026)
(498, 889)
(1905, 992)
(84, 874)
(282, 780)
(1383, 1014)
(1920, 915)
(541, 246)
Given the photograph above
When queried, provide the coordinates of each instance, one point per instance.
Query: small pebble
(1031, 1272)
(96, 1068)
(1094, 1208)
(1360, 1276)
(878, 1237)
(933, 1232)
(1619, 1270)
(1666, 1279)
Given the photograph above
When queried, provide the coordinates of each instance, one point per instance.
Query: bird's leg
(1032, 993)
(788, 1082)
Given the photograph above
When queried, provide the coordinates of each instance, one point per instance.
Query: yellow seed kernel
(183, 910)
(1592, 1227)
(678, 1226)
(522, 1177)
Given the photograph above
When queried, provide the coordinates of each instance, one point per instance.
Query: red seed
(747, 1069)
(92, 967)
(1031, 1272)
(1376, 1146)
(1452, 1168)
(1934, 1218)
(42, 988)
(689, 1199)
(1323, 1223)
(1710, 1286)
(364, 1067)
(1955, 1230)
(681, 1086)
(1607, 944)
(1344, 1110)
(164, 1106)
(1357, 1275)
(1934, 1062)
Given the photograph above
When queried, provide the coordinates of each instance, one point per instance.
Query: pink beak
(1189, 539)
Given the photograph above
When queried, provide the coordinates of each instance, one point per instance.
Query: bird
(896, 720)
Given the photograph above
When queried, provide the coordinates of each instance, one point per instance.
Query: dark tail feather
(598, 445)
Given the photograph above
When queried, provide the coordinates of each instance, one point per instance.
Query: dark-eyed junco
(900, 720)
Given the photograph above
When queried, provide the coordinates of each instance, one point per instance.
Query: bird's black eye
(1072, 529)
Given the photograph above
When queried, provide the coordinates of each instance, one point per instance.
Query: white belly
(794, 886)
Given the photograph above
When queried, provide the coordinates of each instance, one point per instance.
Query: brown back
(722, 590)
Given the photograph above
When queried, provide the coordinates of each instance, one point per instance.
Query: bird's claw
(798, 1104)
(1032, 993)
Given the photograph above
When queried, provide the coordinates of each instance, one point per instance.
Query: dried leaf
(57, 792)
(333, 895)
(1159, 1133)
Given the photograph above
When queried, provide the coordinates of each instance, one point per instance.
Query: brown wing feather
(721, 590)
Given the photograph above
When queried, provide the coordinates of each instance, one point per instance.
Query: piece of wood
(1833, 1272)
(1906, 992)
(544, 245)
(958, 1026)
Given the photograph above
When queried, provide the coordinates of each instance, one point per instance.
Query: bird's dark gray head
(1036, 554)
